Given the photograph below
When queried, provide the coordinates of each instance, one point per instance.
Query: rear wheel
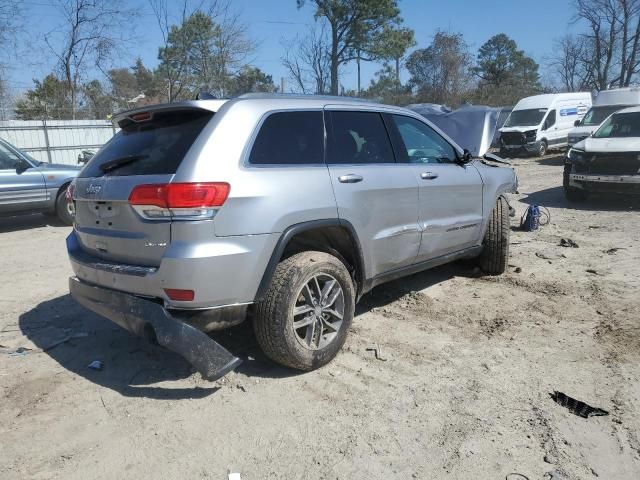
(572, 194)
(64, 209)
(495, 252)
(304, 319)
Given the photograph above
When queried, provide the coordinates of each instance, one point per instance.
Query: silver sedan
(30, 186)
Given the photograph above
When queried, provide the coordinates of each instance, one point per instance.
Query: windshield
(620, 125)
(525, 118)
(596, 115)
(16, 151)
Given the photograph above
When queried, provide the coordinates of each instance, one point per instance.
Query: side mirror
(22, 167)
(576, 123)
(466, 156)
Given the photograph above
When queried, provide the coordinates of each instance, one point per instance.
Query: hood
(586, 130)
(606, 145)
(518, 129)
(59, 166)
(471, 127)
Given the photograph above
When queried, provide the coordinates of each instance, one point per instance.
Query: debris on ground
(554, 475)
(516, 476)
(612, 251)
(577, 407)
(234, 476)
(518, 270)
(592, 271)
(567, 242)
(20, 352)
(548, 458)
(550, 256)
(96, 365)
(378, 352)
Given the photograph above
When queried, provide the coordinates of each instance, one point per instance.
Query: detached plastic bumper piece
(139, 315)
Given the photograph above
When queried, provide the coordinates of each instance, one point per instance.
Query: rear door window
(152, 147)
(358, 138)
(290, 138)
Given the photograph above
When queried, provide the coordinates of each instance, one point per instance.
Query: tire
(572, 194)
(274, 320)
(63, 211)
(495, 252)
(542, 148)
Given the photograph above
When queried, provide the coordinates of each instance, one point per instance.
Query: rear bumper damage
(147, 318)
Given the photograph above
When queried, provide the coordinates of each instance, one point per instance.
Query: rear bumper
(629, 184)
(220, 270)
(144, 317)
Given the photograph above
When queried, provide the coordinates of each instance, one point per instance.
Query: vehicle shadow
(554, 161)
(387, 293)
(74, 337)
(132, 366)
(554, 198)
(27, 222)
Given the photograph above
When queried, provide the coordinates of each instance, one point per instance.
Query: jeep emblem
(93, 189)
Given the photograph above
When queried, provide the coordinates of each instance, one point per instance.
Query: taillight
(185, 201)
(179, 295)
(70, 191)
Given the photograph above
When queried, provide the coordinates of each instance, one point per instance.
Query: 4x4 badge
(93, 189)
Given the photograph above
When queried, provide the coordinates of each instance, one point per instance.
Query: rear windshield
(525, 118)
(153, 147)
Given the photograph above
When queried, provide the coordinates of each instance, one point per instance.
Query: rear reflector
(181, 195)
(179, 295)
(69, 192)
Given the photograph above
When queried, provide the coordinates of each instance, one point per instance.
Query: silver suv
(286, 207)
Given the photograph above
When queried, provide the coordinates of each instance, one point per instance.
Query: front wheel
(495, 252)
(305, 316)
(572, 194)
(542, 148)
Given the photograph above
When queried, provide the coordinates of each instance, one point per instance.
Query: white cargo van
(542, 122)
(604, 104)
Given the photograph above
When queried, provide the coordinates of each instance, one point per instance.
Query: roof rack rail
(301, 96)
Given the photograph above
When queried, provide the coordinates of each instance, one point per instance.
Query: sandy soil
(463, 393)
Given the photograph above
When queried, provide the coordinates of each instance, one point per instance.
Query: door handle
(350, 178)
(428, 175)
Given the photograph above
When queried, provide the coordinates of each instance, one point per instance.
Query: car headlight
(576, 155)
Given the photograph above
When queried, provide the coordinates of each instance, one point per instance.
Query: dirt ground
(463, 391)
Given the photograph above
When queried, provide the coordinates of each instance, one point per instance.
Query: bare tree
(308, 62)
(613, 39)
(10, 15)
(573, 63)
(92, 31)
(601, 16)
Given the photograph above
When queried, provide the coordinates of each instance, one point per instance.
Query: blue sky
(534, 26)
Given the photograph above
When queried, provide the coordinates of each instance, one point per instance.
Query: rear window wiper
(120, 161)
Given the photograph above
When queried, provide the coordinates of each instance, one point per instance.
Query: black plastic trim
(293, 230)
(418, 267)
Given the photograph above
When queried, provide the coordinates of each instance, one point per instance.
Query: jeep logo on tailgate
(93, 189)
